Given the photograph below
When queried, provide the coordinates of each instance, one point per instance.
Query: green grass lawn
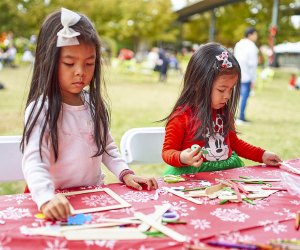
(138, 100)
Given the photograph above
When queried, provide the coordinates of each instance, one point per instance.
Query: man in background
(246, 53)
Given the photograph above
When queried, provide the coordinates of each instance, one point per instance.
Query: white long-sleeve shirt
(75, 165)
(246, 53)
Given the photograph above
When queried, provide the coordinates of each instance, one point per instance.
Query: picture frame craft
(94, 200)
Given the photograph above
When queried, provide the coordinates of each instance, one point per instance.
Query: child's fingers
(56, 209)
(198, 163)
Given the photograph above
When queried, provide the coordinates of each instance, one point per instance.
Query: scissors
(170, 178)
(170, 216)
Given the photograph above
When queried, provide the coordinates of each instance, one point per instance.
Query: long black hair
(45, 86)
(201, 73)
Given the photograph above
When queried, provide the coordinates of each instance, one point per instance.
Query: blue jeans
(245, 92)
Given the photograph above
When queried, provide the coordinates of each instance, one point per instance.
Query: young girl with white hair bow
(66, 135)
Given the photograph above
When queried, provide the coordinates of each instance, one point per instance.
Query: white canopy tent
(287, 48)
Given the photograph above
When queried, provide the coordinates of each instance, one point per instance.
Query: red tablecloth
(270, 218)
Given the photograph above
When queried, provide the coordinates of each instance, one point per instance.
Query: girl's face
(222, 90)
(75, 71)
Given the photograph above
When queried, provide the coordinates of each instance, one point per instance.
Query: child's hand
(191, 157)
(135, 181)
(270, 158)
(56, 209)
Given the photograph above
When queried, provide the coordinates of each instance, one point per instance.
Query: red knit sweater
(179, 136)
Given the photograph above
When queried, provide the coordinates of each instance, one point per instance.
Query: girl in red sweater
(204, 115)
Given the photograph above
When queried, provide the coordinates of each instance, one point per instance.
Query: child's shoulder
(182, 112)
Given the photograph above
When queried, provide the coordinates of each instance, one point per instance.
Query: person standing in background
(246, 53)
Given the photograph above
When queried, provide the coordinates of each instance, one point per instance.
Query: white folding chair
(10, 159)
(142, 145)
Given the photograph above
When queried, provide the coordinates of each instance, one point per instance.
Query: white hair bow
(67, 36)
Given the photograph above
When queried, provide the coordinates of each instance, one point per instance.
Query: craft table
(271, 218)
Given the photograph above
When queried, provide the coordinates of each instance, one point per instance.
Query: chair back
(10, 159)
(142, 145)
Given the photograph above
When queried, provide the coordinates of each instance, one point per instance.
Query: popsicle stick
(159, 211)
(261, 179)
(105, 234)
(214, 188)
(263, 194)
(182, 195)
(158, 226)
(290, 168)
(112, 223)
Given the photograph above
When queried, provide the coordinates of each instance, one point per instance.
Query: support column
(212, 26)
(273, 31)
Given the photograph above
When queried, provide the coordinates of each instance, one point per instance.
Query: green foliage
(233, 19)
(132, 23)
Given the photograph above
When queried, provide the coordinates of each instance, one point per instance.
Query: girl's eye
(90, 64)
(68, 64)
(221, 90)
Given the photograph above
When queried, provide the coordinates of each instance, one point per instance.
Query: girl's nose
(80, 71)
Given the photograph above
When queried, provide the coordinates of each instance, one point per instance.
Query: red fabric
(293, 81)
(270, 218)
(179, 136)
(26, 190)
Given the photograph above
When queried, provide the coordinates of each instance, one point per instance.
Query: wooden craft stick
(196, 193)
(158, 226)
(182, 195)
(290, 168)
(213, 189)
(125, 233)
(264, 194)
(112, 223)
(121, 203)
(260, 179)
(159, 211)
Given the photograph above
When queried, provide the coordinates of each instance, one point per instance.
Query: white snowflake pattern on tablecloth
(273, 226)
(285, 213)
(98, 200)
(295, 202)
(180, 207)
(259, 204)
(19, 198)
(236, 237)
(198, 184)
(200, 224)
(272, 173)
(126, 210)
(109, 244)
(134, 196)
(244, 171)
(234, 215)
(56, 244)
(217, 173)
(97, 217)
(4, 240)
(208, 201)
(142, 247)
(13, 213)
